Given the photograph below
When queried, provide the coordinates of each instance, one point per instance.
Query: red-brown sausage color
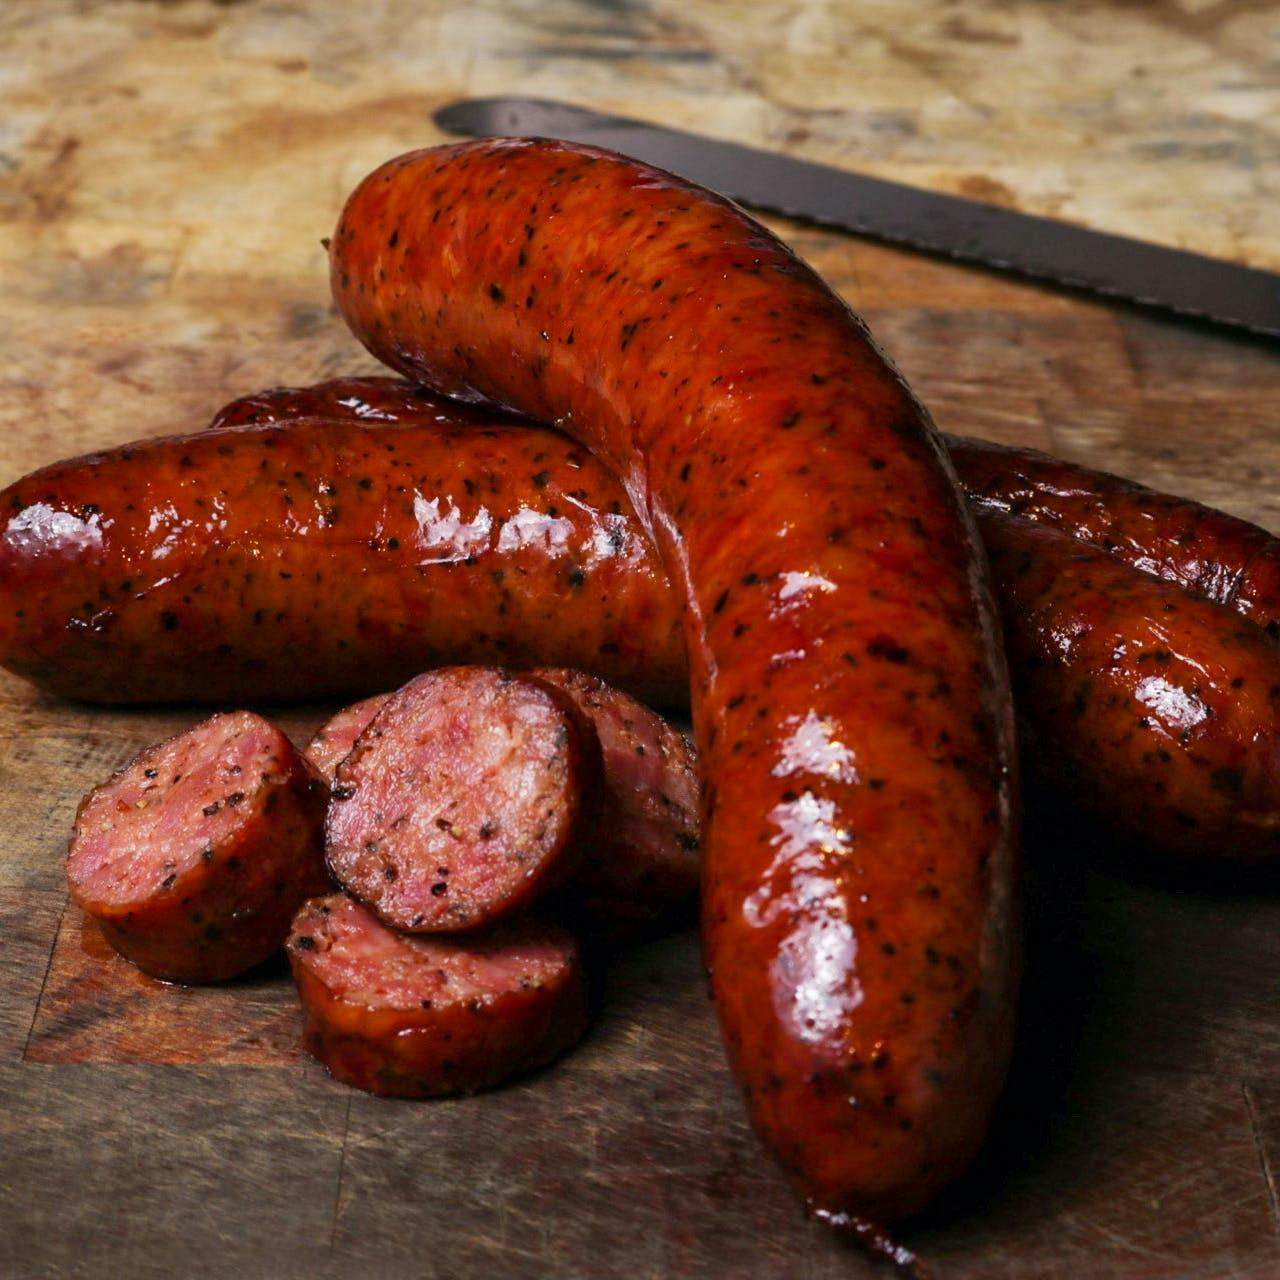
(333, 741)
(1175, 697)
(194, 857)
(640, 865)
(420, 1017)
(464, 800)
(1212, 554)
(201, 567)
(850, 704)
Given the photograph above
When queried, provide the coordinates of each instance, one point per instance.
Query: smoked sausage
(204, 567)
(850, 702)
(333, 741)
(640, 864)
(1221, 557)
(156, 641)
(195, 856)
(1154, 710)
(1211, 554)
(424, 1016)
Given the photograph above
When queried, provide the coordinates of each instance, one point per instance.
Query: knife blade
(1152, 275)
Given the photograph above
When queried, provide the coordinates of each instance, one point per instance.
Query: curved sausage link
(850, 702)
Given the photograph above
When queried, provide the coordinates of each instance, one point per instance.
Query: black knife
(1044, 248)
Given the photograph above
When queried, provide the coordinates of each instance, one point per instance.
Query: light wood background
(166, 173)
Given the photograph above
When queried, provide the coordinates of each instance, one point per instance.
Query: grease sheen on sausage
(1221, 557)
(850, 703)
(204, 567)
(1156, 710)
(1212, 554)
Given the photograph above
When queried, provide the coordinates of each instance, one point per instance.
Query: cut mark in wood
(342, 1164)
(44, 982)
(1255, 1125)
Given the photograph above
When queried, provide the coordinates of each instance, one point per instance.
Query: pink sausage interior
(154, 821)
(362, 962)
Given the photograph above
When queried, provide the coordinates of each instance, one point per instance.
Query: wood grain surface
(166, 173)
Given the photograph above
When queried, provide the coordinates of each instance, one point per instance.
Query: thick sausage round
(420, 1017)
(333, 741)
(850, 703)
(200, 567)
(1156, 710)
(640, 864)
(195, 856)
(464, 800)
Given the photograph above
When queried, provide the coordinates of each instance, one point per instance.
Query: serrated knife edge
(1078, 257)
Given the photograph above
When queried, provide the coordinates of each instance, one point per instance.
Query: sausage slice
(463, 800)
(334, 739)
(420, 1017)
(194, 857)
(640, 864)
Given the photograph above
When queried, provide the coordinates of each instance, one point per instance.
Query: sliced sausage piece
(464, 800)
(640, 863)
(419, 1017)
(334, 739)
(1156, 711)
(194, 857)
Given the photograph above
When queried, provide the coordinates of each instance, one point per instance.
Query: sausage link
(1210, 553)
(1219, 556)
(201, 567)
(850, 703)
(65, 620)
(361, 399)
(1155, 710)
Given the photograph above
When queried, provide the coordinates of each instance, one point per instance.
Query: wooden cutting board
(166, 173)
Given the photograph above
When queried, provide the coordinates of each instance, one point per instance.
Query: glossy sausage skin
(136, 654)
(1212, 554)
(1155, 710)
(360, 399)
(850, 704)
(204, 567)
(421, 1017)
(195, 856)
